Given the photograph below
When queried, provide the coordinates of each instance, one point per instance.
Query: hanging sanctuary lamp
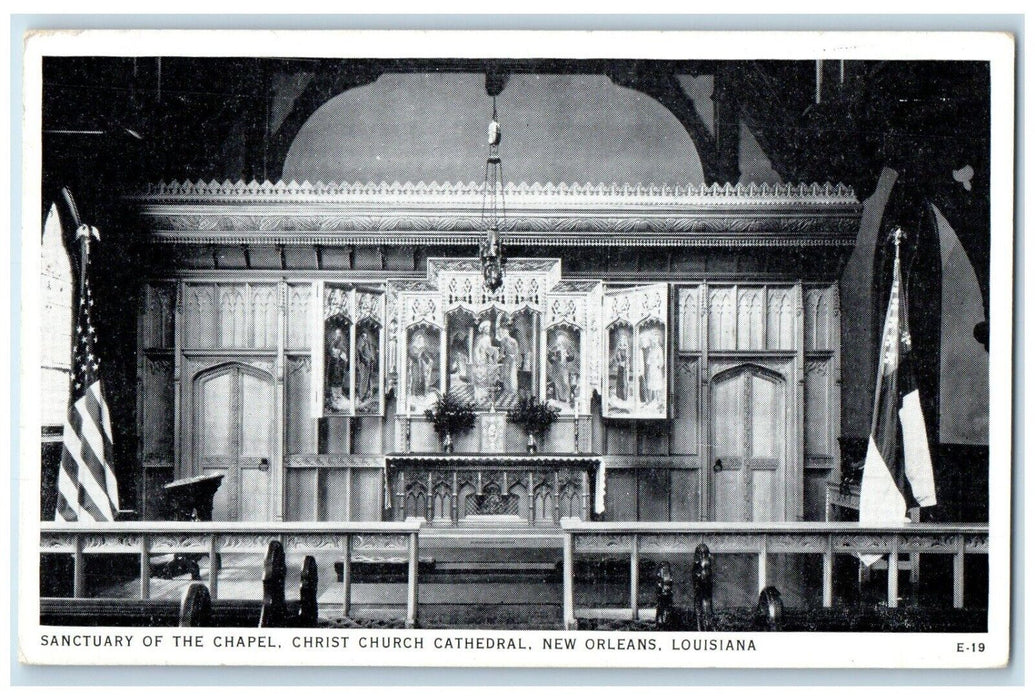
(490, 250)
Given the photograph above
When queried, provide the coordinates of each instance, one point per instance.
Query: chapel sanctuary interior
(209, 319)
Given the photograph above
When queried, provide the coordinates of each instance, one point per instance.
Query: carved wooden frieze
(251, 212)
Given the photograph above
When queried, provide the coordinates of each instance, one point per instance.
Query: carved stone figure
(366, 354)
(337, 370)
(485, 362)
(620, 367)
(511, 352)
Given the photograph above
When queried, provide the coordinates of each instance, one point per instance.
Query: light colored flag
(897, 473)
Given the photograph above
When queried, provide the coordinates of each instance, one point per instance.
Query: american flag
(87, 491)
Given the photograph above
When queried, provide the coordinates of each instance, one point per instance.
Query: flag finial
(897, 235)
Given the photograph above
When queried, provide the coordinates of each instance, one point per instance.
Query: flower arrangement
(534, 416)
(449, 415)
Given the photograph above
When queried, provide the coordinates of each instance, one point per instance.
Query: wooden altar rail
(350, 540)
(762, 539)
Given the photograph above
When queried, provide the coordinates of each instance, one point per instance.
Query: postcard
(555, 349)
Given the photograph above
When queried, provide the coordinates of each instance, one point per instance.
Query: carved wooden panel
(232, 316)
(299, 296)
(159, 316)
(300, 494)
(722, 319)
(818, 413)
(334, 493)
(156, 420)
(683, 435)
(750, 318)
(300, 422)
(262, 315)
(780, 319)
(821, 322)
(689, 319)
(199, 315)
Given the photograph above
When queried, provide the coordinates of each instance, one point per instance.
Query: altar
(493, 490)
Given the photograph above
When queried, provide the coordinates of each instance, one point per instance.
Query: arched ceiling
(432, 127)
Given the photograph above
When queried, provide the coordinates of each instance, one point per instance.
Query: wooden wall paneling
(299, 319)
(200, 314)
(368, 438)
(621, 437)
(750, 318)
(620, 499)
(689, 322)
(299, 438)
(683, 436)
(153, 480)
(653, 494)
(820, 306)
(814, 508)
(818, 408)
(278, 305)
(780, 326)
(156, 409)
(704, 406)
(796, 419)
(301, 494)
(337, 438)
(722, 318)
(560, 438)
(835, 376)
(233, 316)
(179, 469)
(334, 494)
(685, 496)
(266, 314)
(142, 308)
(599, 431)
(366, 498)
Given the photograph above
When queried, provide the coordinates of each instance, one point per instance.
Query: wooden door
(234, 412)
(749, 427)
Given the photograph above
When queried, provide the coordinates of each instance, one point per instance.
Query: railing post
(569, 583)
(411, 583)
(957, 573)
(145, 567)
(893, 573)
(634, 577)
(763, 562)
(828, 573)
(346, 576)
(78, 574)
(213, 566)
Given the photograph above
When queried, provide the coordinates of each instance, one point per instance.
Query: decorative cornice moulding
(241, 213)
(587, 194)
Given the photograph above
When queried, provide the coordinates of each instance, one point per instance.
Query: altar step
(430, 572)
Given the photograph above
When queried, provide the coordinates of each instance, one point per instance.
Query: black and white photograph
(639, 351)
